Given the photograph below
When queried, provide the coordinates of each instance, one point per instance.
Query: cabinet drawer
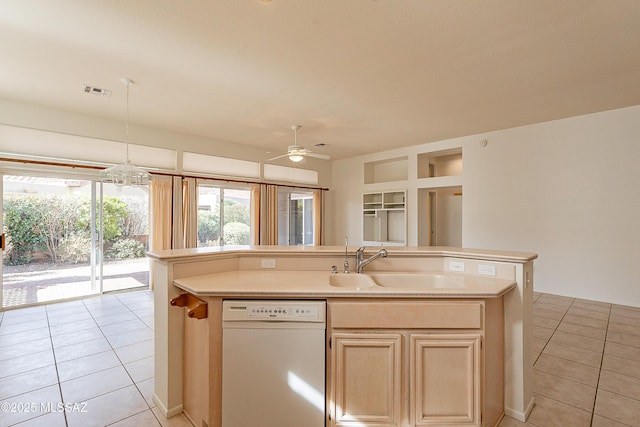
(407, 315)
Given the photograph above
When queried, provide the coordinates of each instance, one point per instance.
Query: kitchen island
(475, 298)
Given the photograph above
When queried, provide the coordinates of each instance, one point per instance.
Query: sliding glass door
(124, 215)
(295, 217)
(67, 238)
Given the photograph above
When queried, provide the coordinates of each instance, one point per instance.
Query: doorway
(440, 216)
(67, 238)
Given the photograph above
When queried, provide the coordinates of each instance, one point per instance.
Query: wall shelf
(387, 170)
(384, 218)
(440, 163)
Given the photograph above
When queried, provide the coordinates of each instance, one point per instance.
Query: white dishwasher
(273, 363)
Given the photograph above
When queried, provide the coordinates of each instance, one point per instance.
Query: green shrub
(236, 233)
(136, 221)
(60, 219)
(126, 248)
(208, 227)
(22, 219)
(60, 227)
(75, 249)
(235, 212)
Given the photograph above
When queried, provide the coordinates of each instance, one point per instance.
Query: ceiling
(360, 75)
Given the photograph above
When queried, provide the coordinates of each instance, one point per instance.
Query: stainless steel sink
(417, 280)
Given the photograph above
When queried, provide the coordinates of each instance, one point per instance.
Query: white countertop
(316, 284)
(402, 251)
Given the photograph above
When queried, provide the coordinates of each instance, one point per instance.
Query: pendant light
(125, 174)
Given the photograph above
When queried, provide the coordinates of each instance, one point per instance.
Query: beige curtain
(268, 214)
(161, 206)
(177, 240)
(189, 213)
(318, 217)
(160, 214)
(255, 214)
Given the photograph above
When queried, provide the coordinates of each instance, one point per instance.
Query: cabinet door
(366, 374)
(445, 380)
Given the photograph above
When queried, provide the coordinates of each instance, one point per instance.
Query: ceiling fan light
(296, 158)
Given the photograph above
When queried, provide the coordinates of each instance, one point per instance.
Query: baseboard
(500, 418)
(188, 417)
(168, 413)
(519, 415)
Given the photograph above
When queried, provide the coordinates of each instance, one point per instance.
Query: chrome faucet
(346, 255)
(362, 263)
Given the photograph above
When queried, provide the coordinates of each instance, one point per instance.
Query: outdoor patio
(41, 282)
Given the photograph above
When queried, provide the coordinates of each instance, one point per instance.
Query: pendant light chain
(125, 174)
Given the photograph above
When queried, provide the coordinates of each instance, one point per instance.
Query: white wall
(567, 190)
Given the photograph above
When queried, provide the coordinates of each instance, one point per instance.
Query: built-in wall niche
(387, 170)
(384, 218)
(440, 216)
(440, 163)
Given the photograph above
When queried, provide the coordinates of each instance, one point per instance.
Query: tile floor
(94, 356)
(586, 364)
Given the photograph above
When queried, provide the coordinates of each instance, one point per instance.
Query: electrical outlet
(268, 263)
(487, 270)
(456, 266)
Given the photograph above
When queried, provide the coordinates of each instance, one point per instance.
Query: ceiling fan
(297, 153)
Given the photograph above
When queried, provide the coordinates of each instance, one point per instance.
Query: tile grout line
(24, 372)
(549, 339)
(49, 315)
(554, 330)
(601, 357)
(600, 372)
(121, 363)
(55, 363)
(134, 383)
(112, 349)
(595, 398)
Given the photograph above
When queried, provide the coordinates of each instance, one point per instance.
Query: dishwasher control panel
(280, 312)
(309, 311)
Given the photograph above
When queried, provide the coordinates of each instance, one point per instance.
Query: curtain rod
(73, 166)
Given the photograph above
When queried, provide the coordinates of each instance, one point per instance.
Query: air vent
(96, 91)
(321, 145)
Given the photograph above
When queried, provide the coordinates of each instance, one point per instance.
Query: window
(295, 217)
(224, 215)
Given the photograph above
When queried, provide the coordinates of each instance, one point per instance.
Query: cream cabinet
(413, 363)
(445, 379)
(367, 372)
